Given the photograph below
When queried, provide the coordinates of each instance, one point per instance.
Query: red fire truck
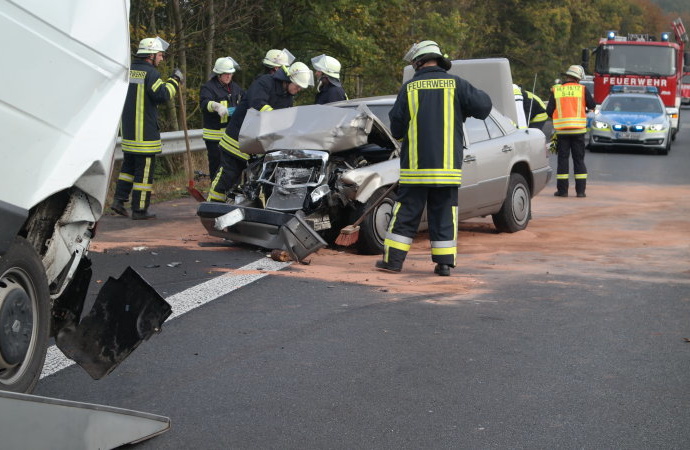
(641, 60)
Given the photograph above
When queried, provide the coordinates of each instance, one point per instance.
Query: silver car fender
(369, 179)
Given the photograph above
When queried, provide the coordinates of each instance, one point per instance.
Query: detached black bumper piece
(126, 312)
(264, 228)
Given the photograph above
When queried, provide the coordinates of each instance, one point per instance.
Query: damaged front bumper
(262, 228)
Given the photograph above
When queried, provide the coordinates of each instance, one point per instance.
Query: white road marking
(187, 300)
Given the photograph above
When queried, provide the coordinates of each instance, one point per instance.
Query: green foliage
(369, 37)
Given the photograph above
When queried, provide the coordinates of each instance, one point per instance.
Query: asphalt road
(570, 334)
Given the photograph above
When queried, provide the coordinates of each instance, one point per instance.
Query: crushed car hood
(312, 127)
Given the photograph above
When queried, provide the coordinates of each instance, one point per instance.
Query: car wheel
(372, 230)
(517, 206)
(24, 317)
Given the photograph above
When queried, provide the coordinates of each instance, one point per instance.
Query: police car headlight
(656, 127)
(601, 125)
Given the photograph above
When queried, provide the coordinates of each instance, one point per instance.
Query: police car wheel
(24, 317)
(516, 211)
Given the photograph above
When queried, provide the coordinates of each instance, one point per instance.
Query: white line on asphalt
(187, 300)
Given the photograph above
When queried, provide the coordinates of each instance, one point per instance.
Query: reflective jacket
(266, 93)
(227, 95)
(538, 108)
(428, 115)
(140, 131)
(567, 107)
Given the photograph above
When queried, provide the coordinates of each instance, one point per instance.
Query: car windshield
(622, 59)
(632, 104)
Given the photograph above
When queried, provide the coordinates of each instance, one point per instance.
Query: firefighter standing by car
(428, 115)
(266, 93)
(141, 139)
(327, 73)
(568, 107)
(218, 98)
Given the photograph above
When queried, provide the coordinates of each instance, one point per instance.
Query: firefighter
(218, 98)
(275, 59)
(535, 109)
(266, 93)
(567, 106)
(327, 72)
(428, 115)
(141, 139)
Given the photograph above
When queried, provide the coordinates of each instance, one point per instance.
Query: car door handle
(469, 158)
(507, 148)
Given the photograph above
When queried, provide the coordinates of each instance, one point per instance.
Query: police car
(631, 116)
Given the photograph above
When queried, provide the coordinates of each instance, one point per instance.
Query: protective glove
(178, 75)
(220, 109)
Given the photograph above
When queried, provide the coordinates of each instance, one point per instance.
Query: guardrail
(173, 143)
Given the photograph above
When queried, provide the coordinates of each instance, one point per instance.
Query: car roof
(377, 100)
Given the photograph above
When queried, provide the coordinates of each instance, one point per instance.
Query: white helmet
(148, 46)
(225, 65)
(575, 71)
(327, 64)
(278, 58)
(422, 48)
(301, 75)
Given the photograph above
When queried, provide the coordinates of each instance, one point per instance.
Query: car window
(476, 130)
(381, 111)
(632, 104)
(494, 129)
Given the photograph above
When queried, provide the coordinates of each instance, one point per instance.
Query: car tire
(24, 317)
(665, 150)
(372, 230)
(516, 210)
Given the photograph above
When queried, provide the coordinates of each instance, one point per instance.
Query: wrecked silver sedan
(315, 169)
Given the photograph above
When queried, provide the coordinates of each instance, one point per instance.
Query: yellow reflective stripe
(212, 135)
(541, 117)
(142, 187)
(455, 223)
(562, 176)
(444, 250)
(448, 128)
(209, 108)
(141, 146)
(232, 146)
(580, 176)
(156, 85)
(266, 108)
(171, 89)
(572, 131)
(412, 104)
(398, 245)
(139, 113)
(126, 177)
(147, 174)
(430, 176)
(213, 195)
(396, 208)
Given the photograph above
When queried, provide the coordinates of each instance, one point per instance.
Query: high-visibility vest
(569, 117)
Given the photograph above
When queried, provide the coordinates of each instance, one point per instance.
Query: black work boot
(143, 214)
(119, 207)
(388, 267)
(442, 270)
